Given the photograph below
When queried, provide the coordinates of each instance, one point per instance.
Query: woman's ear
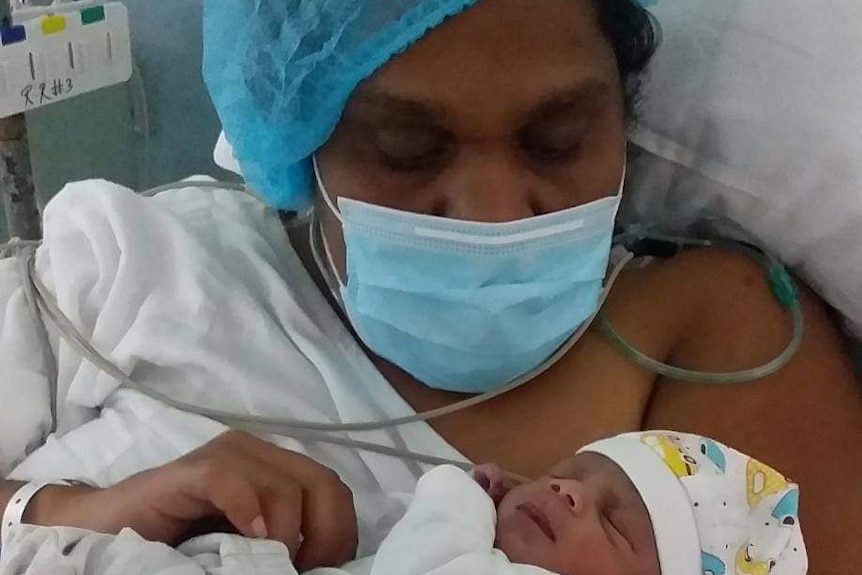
(496, 482)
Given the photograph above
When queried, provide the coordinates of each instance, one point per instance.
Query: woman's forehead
(501, 55)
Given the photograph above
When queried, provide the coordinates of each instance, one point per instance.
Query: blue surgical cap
(280, 73)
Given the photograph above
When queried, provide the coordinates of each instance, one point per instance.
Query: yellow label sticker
(53, 25)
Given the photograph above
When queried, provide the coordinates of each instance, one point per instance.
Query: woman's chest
(592, 393)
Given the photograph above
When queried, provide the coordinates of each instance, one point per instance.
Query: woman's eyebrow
(585, 96)
(374, 103)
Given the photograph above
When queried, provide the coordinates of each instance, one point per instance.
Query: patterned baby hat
(714, 510)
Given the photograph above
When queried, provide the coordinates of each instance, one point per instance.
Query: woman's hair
(635, 35)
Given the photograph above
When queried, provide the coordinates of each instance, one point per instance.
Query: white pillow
(753, 110)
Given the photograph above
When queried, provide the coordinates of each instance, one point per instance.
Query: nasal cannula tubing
(40, 300)
(785, 292)
(297, 429)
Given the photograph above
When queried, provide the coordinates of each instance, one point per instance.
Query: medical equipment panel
(58, 55)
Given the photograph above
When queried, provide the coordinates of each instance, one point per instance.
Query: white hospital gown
(449, 529)
(198, 294)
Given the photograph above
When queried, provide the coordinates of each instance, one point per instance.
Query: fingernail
(258, 527)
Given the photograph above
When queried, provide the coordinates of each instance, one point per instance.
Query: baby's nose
(572, 492)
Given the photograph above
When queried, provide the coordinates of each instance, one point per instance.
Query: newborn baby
(585, 516)
(654, 503)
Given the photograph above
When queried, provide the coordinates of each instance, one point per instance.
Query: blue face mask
(470, 306)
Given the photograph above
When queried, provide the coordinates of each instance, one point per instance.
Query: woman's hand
(235, 480)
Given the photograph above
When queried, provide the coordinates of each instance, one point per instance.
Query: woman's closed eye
(556, 130)
(410, 149)
(557, 143)
(553, 146)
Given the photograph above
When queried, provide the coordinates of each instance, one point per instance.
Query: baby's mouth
(536, 516)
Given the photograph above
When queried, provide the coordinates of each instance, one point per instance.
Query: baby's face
(584, 518)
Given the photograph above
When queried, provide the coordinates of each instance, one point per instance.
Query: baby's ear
(496, 482)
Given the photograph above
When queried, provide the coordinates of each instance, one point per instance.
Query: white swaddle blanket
(198, 294)
(449, 529)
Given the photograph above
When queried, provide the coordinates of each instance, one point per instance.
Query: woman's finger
(328, 516)
(282, 509)
(328, 524)
(319, 513)
(234, 496)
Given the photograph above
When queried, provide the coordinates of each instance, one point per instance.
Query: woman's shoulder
(99, 229)
(143, 276)
(93, 205)
(696, 307)
(715, 311)
(729, 317)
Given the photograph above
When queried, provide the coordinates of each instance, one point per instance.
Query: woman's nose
(493, 188)
(572, 492)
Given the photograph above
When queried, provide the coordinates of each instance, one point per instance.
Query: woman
(509, 110)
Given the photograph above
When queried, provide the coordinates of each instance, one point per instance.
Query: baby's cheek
(519, 546)
(515, 548)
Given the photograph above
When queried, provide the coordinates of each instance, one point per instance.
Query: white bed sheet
(196, 293)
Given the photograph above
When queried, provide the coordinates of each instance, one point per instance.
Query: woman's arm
(58, 505)
(7, 490)
(236, 481)
(805, 420)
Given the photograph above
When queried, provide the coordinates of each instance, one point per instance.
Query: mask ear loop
(316, 236)
(324, 192)
(330, 273)
(330, 276)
